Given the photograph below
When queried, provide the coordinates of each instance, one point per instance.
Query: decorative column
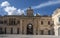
(34, 26)
(21, 26)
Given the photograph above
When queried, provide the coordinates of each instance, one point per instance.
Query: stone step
(27, 36)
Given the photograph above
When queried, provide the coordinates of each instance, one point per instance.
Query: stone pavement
(27, 36)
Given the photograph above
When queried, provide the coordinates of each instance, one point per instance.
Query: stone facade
(56, 19)
(26, 24)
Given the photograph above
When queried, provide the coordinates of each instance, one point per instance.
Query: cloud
(11, 10)
(36, 14)
(46, 4)
(5, 4)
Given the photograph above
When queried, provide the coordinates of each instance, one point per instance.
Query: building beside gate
(27, 24)
(56, 19)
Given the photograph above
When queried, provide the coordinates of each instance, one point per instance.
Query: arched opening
(59, 31)
(30, 29)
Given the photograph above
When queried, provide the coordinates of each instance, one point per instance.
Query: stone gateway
(27, 24)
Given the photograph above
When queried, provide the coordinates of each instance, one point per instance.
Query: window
(17, 30)
(48, 32)
(42, 32)
(48, 22)
(0, 29)
(1, 22)
(52, 31)
(12, 21)
(11, 30)
(41, 22)
(18, 22)
(5, 21)
(1, 32)
(5, 30)
(59, 19)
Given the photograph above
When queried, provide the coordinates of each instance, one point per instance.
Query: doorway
(30, 29)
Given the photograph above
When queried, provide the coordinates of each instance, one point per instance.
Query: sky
(18, 7)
